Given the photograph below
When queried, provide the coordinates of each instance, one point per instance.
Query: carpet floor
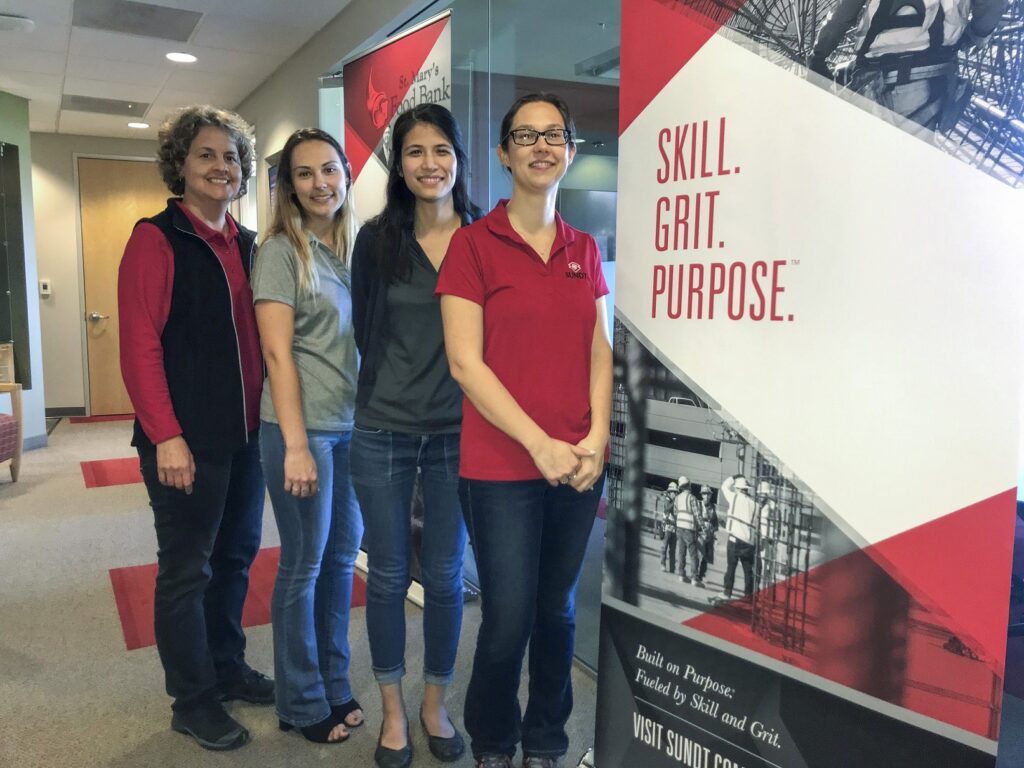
(73, 696)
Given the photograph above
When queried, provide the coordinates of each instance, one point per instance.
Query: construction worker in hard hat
(742, 527)
(687, 512)
(668, 523)
(906, 55)
(769, 532)
(708, 530)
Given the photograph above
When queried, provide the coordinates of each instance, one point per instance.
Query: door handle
(95, 317)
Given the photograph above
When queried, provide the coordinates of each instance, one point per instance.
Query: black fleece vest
(200, 342)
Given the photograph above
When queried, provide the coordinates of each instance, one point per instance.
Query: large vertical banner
(815, 427)
(413, 68)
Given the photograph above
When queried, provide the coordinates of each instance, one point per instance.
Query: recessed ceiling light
(138, 125)
(182, 58)
(10, 22)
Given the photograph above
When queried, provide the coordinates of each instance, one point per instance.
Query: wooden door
(113, 195)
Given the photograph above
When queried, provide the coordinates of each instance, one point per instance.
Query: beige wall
(59, 259)
(289, 98)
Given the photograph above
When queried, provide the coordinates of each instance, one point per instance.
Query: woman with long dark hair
(302, 289)
(407, 421)
(522, 296)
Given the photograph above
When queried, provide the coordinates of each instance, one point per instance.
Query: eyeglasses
(527, 137)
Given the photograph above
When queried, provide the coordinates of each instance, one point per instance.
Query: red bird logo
(376, 104)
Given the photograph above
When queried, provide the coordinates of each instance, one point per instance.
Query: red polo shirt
(145, 284)
(538, 330)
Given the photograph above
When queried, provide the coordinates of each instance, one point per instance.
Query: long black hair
(394, 224)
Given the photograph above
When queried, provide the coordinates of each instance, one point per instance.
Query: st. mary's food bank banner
(815, 428)
(414, 68)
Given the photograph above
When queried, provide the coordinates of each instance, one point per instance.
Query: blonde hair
(287, 217)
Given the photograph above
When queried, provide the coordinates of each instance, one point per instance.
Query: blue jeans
(206, 542)
(320, 538)
(529, 539)
(384, 466)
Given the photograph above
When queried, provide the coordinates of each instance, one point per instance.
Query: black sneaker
(252, 686)
(211, 727)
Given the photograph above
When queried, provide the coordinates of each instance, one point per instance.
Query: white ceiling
(238, 43)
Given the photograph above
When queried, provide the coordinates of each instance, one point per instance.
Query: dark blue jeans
(320, 538)
(742, 553)
(384, 466)
(206, 542)
(529, 540)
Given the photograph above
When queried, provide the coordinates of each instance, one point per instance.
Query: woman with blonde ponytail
(302, 290)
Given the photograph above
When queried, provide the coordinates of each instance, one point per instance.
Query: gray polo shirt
(324, 345)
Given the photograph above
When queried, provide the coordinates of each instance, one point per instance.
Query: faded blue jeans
(320, 538)
(529, 539)
(384, 466)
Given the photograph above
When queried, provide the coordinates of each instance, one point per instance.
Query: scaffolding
(787, 533)
(989, 134)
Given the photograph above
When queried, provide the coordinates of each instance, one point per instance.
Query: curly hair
(180, 129)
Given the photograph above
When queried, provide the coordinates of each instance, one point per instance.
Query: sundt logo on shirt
(576, 271)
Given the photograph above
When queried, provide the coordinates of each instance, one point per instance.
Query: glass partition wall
(501, 50)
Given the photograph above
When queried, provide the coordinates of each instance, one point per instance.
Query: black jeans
(686, 544)
(206, 542)
(668, 551)
(739, 552)
(529, 539)
(707, 553)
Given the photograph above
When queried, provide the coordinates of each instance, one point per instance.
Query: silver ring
(572, 476)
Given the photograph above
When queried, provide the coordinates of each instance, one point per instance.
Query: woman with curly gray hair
(190, 358)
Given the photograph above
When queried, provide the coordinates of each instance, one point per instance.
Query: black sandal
(341, 711)
(319, 733)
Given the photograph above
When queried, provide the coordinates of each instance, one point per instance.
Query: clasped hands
(562, 463)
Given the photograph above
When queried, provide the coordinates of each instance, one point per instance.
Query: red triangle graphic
(961, 564)
(918, 620)
(658, 38)
(378, 85)
(357, 152)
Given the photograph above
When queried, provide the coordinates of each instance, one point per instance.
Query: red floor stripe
(133, 594)
(98, 419)
(100, 474)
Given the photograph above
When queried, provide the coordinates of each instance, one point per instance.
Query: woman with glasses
(525, 329)
(302, 289)
(408, 413)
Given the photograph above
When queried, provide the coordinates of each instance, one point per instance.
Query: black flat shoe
(319, 733)
(385, 757)
(341, 711)
(447, 749)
